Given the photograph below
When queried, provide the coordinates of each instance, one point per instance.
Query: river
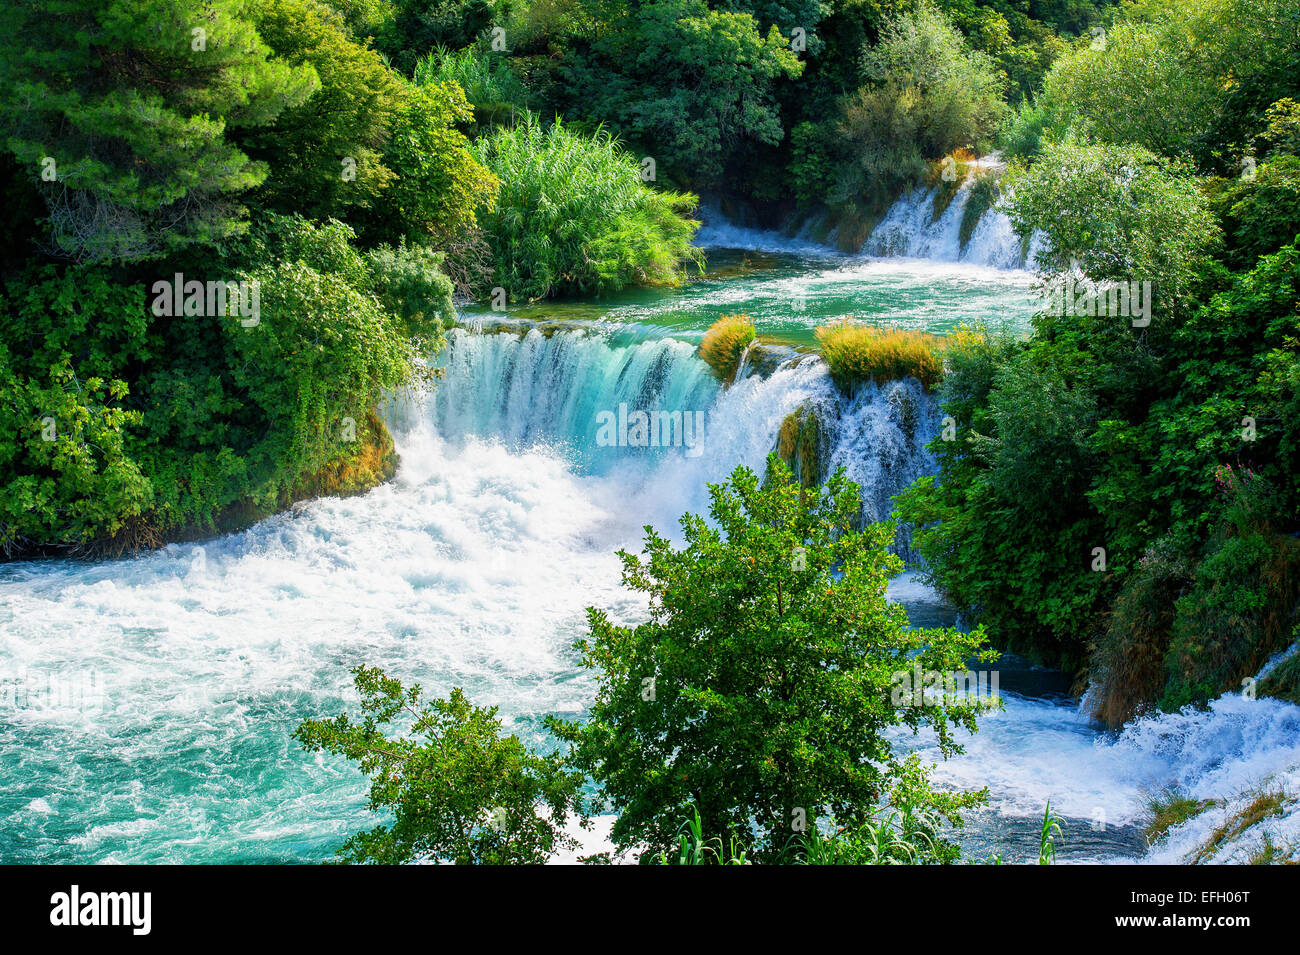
(148, 702)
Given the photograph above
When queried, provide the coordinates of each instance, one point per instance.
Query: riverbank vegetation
(233, 228)
(1121, 498)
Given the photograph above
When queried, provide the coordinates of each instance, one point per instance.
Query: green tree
(439, 187)
(325, 156)
(457, 789)
(689, 85)
(126, 103)
(762, 686)
(925, 93)
(1116, 214)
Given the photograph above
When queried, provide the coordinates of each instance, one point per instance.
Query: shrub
(725, 342)
(410, 282)
(459, 790)
(857, 354)
(1117, 213)
(66, 472)
(123, 427)
(574, 215)
(762, 685)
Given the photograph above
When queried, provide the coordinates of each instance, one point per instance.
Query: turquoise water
(789, 293)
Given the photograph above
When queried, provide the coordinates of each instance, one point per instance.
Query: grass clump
(1169, 810)
(491, 86)
(725, 342)
(948, 174)
(857, 354)
(574, 216)
(1284, 682)
(1265, 805)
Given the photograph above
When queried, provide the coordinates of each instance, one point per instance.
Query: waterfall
(910, 230)
(558, 390)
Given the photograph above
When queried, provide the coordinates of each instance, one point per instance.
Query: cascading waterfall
(556, 389)
(910, 230)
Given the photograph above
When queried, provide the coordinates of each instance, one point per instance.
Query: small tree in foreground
(459, 791)
(763, 686)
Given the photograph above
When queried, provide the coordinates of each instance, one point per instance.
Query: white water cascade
(911, 230)
(552, 390)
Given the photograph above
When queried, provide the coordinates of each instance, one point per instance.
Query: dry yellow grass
(725, 342)
(860, 353)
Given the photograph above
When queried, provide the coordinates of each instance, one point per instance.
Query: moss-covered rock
(801, 444)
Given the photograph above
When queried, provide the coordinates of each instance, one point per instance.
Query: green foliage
(133, 108)
(892, 837)
(65, 470)
(1087, 436)
(575, 216)
(1023, 131)
(1005, 529)
(694, 848)
(1167, 75)
(811, 165)
(1116, 213)
(889, 836)
(1128, 667)
(162, 425)
(490, 83)
(457, 789)
(1261, 214)
(440, 186)
(326, 155)
(689, 85)
(761, 687)
(410, 283)
(419, 26)
(1241, 605)
(926, 93)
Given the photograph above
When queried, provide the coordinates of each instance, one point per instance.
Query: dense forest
(231, 227)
